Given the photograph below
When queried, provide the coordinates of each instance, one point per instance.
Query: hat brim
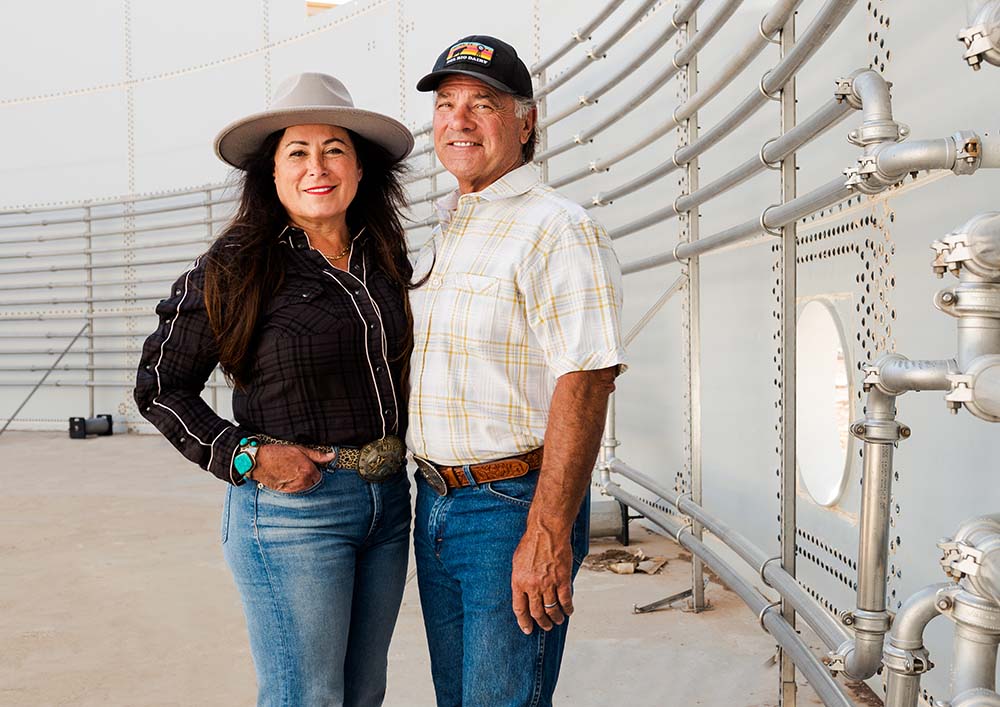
(431, 80)
(239, 140)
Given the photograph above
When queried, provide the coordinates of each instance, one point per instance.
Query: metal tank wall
(123, 98)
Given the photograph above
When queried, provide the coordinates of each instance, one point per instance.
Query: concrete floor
(113, 591)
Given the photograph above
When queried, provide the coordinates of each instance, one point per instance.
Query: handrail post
(90, 305)
(693, 267)
(789, 294)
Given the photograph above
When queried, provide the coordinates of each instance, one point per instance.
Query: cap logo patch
(470, 51)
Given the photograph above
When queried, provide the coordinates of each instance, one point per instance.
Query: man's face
(477, 135)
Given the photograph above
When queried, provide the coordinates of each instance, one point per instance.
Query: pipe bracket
(764, 227)
(760, 86)
(760, 28)
(760, 616)
(770, 165)
(764, 567)
(678, 258)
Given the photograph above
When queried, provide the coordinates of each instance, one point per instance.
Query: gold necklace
(338, 256)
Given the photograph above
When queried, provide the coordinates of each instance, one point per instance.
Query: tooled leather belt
(443, 478)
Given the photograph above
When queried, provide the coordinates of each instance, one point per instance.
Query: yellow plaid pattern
(522, 286)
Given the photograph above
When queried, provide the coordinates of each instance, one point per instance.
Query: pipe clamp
(906, 662)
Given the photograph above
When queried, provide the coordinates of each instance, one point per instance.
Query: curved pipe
(906, 639)
(829, 630)
(828, 690)
(898, 374)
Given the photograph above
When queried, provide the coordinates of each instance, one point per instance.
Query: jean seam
(376, 511)
(519, 502)
(282, 640)
(536, 693)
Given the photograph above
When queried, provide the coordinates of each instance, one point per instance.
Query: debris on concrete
(624, 562)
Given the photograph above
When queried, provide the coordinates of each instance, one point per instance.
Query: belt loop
(470, 479)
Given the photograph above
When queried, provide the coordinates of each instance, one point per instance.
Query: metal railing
(112, 271)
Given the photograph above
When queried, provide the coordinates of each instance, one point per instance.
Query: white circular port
(823, 403)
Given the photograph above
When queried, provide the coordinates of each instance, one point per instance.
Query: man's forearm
(572, 440)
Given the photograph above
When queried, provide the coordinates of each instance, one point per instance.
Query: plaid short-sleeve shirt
(521, 287)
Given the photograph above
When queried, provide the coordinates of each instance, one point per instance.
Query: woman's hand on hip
(289, 469)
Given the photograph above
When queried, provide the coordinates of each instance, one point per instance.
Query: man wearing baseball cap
(517, 344)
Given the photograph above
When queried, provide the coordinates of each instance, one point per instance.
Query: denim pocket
(225, 514)
(520, 491)
(296, 494)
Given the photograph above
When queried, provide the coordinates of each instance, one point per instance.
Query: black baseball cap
(482, 57)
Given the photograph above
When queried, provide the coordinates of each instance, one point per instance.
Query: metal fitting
(873, 132)
(874, 622)
(969, 152)
(860, 176)
(844, 91)
(760, 28)
(970, 299)
(764, 567)
(764, 227)
(760, 616)
(959, 560)
(906, 662)
(977, 388)
(770, 165)
(982, 37)
(880, 432)
(760, 86)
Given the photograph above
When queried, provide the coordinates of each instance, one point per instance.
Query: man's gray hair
(522, 109)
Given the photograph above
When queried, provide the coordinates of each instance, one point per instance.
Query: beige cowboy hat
(306, 99)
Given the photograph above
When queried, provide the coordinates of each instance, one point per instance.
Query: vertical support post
(543, 134)
(610, 441)
(789, 294)
(87, 216)
(697, 602)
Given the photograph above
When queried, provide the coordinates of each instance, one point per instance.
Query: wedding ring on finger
(550, 606)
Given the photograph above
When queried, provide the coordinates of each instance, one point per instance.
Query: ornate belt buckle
(379, 460)
(432, 476)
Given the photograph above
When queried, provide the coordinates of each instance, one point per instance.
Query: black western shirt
(326, 366)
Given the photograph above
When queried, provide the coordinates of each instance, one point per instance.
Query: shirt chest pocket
(299, 309)
(474, 305)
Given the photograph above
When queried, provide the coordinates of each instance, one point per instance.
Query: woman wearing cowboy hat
(302, 302)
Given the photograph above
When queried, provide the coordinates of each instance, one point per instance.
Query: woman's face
(316, 173)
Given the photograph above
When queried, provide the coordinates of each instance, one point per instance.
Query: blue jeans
(321, 575)
(464, 544)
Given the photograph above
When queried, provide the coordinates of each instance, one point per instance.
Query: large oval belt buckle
(379, 460)
(432, 476)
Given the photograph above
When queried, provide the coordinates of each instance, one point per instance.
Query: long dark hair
(243, 269)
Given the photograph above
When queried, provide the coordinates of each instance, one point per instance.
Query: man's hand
(289, 469)
(541, 580)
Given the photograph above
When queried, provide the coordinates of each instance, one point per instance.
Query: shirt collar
(297, 238)
(514, 183)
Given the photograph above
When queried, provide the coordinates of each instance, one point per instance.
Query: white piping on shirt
(156, 368)
(368, 355)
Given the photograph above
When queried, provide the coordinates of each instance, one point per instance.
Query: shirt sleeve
(573, 297)
(177, 360)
